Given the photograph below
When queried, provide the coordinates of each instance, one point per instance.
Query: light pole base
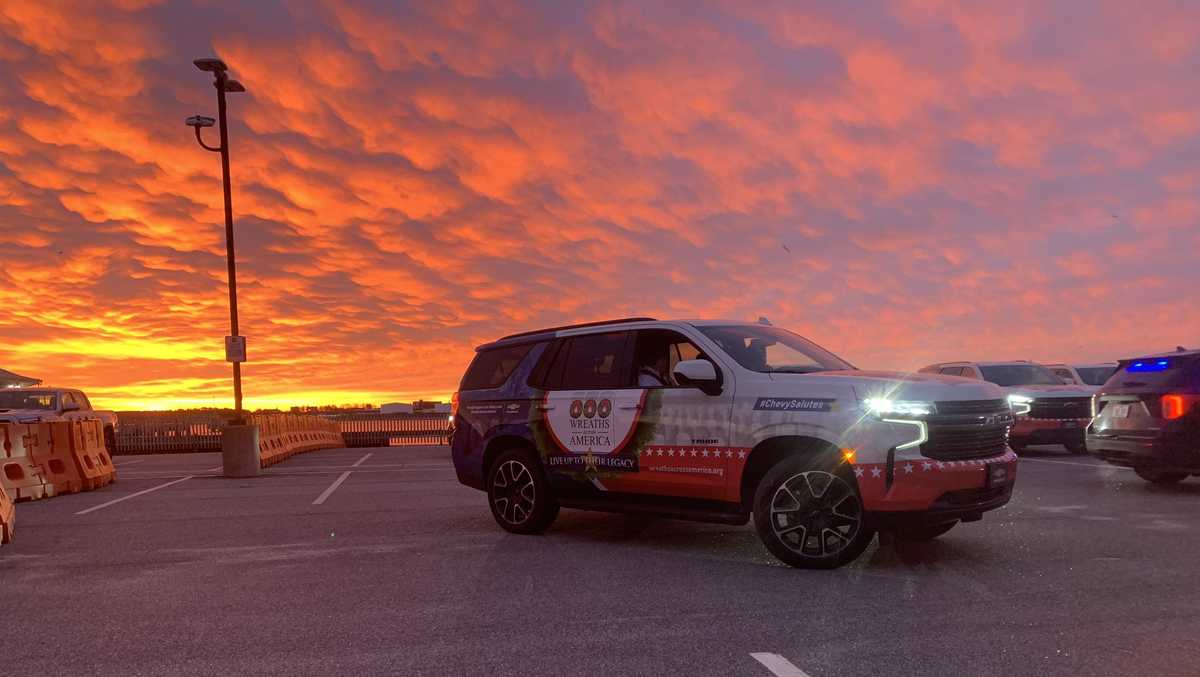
(239, 451)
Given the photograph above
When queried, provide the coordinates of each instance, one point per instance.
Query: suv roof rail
(577, 326)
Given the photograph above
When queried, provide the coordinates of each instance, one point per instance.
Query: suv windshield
(1094, 376)
(26, 400)
(1019, 375)
(772, 350)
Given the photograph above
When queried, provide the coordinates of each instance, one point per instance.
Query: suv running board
(711, 515)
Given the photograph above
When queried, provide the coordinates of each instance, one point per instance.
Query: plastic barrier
(281, 436)
(95, 454)
(51, 450)
(19, 475)
(8, 517)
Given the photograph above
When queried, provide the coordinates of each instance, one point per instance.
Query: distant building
(395, 408)
(11, 380)
(418, 407)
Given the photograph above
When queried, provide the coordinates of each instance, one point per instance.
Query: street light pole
(223, 84)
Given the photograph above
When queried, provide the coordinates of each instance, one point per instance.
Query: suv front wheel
(519, 495)
(811, 516)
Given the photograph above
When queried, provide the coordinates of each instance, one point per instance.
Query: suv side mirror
(699, 374)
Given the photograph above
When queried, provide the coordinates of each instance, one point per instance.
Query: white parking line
(122, 462)
(1084, 465)
(332, 488)
(220, 467)
(778, 665)
(133, 495)
(361, 460)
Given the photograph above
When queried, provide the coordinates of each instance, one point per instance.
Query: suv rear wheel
(519, 495)
(1160, 476)
(811, 516)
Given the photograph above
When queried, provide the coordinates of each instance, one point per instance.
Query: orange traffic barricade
(20, 476)
(8, 516)
(96, 464)
(53, 451)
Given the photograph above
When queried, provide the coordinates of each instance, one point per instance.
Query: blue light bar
(1149, 365)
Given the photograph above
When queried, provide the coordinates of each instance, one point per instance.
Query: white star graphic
(660, 451)
(875, 472)
(729, 454)
(926, 466)
(908, 467)
(941, 465)
(693, 453)
(704, 453)
(670, 452)
(741, 454)
(858, 472)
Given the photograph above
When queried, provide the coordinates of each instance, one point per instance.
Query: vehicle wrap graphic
(794, 404)
(594, 433)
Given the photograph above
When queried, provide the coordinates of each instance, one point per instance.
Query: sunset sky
(903, 182)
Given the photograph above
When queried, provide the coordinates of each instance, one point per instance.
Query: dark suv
(1148, 417)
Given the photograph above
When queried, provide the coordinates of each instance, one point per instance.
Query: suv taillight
(1175, 406)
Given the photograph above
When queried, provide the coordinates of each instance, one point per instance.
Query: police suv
(717, 421)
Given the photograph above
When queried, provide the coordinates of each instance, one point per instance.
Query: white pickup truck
(34, 405)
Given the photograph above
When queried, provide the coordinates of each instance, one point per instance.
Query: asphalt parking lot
(378, 561)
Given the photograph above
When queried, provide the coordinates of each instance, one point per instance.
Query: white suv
(1048, 410)
(1090, 376)
(719, 420)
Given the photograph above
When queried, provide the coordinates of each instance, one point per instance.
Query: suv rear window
(1154, 374)
(491, 368)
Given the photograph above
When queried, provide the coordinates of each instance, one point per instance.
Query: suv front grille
(953, 443)
(968, 429)
(971, 407)
(1061, 407)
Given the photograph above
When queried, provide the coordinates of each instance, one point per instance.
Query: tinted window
(596, 361)
(1152, 375)
(1064, 375)
(1019, 375)
(83, 401)
(491, 368)
(655, 355)
(25, 399)
(952, 371)
(1095, 376)
(770, 349)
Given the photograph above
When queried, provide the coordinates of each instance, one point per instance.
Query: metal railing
(154, 432)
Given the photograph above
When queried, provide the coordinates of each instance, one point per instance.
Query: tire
(922, 532)
(1079, 448)
(110, 440)
(1160, 477)
(799, 495)
(518, 494)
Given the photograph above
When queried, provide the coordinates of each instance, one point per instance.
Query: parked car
(1048, 411)
(33, 405)
(1148, 417)
(1088, 375)
(720, 421)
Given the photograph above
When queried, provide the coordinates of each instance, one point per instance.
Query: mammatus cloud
(904, 183)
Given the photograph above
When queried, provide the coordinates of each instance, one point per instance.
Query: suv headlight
(883, 406)
(1020, 404)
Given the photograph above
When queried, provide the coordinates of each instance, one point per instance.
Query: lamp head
(211, 64)
(199, 121)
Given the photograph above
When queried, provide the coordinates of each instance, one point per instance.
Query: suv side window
(67, 400)
(593, 361)
(952, 371)
(655, 355)
(491, 368)
(83, 401)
